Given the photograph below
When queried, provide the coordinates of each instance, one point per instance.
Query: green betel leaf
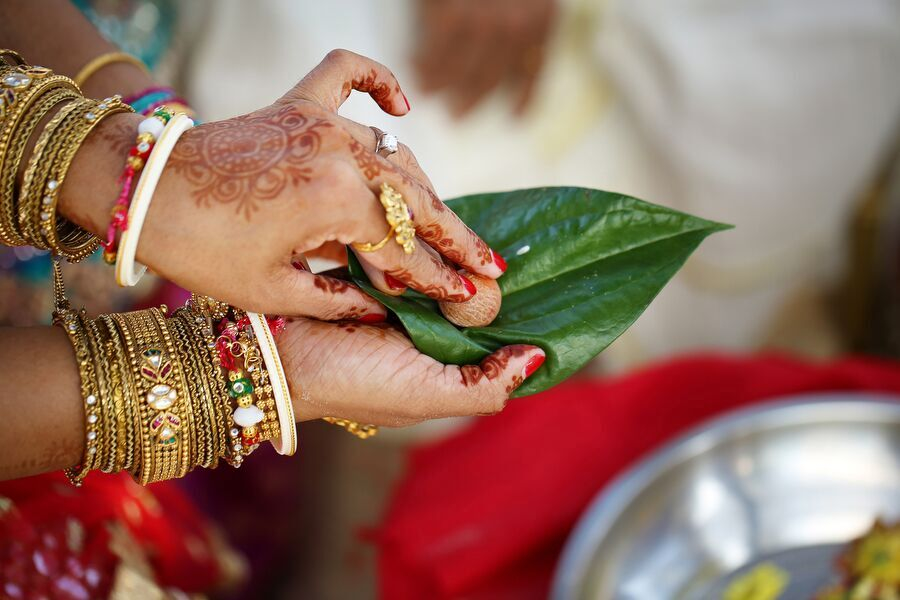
(583, 265)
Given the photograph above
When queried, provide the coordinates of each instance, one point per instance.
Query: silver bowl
(787, 482)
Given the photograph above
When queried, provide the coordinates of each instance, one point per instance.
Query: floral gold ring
(398, 216)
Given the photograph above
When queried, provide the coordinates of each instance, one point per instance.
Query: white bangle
(128, 272)
(287, 443)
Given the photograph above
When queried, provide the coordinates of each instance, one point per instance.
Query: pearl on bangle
(153, 126)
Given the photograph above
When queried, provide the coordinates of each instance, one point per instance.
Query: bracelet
(103, 60)
(137, 157)
(286, 443)
(23, 88)
(59, 235)
(126, 272)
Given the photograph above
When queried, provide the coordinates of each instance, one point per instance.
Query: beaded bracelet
(148, 132)
(127, 273)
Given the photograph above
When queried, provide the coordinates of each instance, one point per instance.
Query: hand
(240, 199)
(469, 47)
(373, 374)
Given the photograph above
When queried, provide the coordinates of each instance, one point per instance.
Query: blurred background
(781, 117)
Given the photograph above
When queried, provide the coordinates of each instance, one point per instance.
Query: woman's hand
(373, 374)
(241, 199)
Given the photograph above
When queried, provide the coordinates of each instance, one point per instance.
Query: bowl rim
(602, 511)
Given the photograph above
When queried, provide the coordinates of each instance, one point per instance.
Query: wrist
(92, 185)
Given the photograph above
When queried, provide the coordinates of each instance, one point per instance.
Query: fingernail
(372, 318)
(499, 260)
(533, 365)
(298, 265)
(405, 100)
(470, 287)
(393, 282)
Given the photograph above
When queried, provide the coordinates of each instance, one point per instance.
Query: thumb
(483, 389)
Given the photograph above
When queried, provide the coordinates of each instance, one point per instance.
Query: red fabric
(66, 541)
(484, 514)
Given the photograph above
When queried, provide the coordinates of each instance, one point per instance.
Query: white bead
(90, 116)
(92, 419)
(45, 216)
(92, 435)
(91, 400)
(51, 185)
(166, 433)
(237, 447)
(247, 416)
(47, 200)
(153, 126)
(93, 450)
(234, 432)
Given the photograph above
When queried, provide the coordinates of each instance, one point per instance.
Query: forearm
(42, 407)
(53, 33)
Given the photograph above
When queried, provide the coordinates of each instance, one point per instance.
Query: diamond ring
(385, 143)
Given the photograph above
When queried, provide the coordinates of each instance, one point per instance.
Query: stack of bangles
(162, 393)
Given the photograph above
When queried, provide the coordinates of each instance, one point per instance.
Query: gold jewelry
(28, 89)
(363, 432)
(7, 53)
(61, 236)
(69, 321)
(29, 201)
(397, 215)
(369, 247)
(103, 60)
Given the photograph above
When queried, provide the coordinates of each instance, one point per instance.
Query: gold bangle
(7, 53)
(95, 64)
(28, 89)
(24, 225)
(60, 235)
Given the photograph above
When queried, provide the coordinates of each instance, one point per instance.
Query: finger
(420, 270)
(403, 158)
(483, 79)
(440, 52)
(441, 229)
(385, 283)
(483, 389)
(435, 223)
(341, 71)
(298, 292)
(525, 78)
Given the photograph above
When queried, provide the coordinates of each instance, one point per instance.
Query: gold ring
(369, 247)
(397, 215)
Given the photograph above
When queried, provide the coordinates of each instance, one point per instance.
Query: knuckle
(338, 55)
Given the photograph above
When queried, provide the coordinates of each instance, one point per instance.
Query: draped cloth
(484, 514)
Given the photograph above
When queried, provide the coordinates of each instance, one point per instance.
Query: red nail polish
(394, 283)
(405, 100)
(371, 318)
(470, 287)
(499, 260)
(298, 265)
(533, 364)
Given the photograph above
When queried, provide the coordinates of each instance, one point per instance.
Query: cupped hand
(468, 48)
(373, 374)
(241, 200)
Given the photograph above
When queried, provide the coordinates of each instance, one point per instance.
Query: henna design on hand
(381, 92)
(492, 367)
(371, 165)
(249, 158)
(434, 234)
(433, 290)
